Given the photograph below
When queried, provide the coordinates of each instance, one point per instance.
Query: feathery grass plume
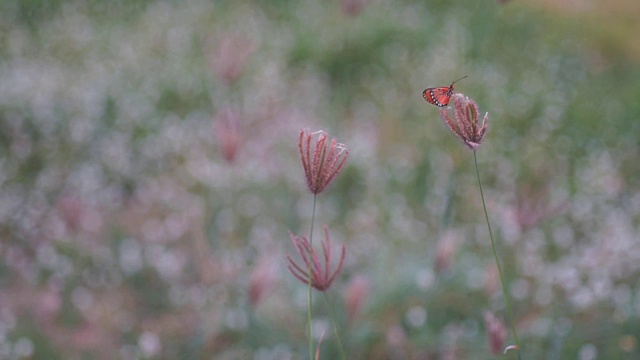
(466, 115)
(322, 159)
(316, 270)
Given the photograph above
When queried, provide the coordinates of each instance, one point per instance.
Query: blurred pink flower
(78, 215)
(491, 279)
(321, 277)
(355, 295)
(353, 7)
(48, 305)
(327, 160)
(89, 337)
(466, 115)
(446, 251)
(396, 336)
(229, 55)
(496, 332)
(263, 279)
(318, 346)
(533, 205)
(227, 131)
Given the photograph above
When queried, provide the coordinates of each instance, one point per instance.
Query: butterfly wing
(438, 96)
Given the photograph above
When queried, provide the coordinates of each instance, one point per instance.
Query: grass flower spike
(322, 159)
(321, 276)
(466, 115)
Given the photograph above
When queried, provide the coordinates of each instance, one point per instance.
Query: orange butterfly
(439, 96)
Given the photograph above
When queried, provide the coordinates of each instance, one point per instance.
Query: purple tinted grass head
(465, 120)
(321, 275)
(322, 159)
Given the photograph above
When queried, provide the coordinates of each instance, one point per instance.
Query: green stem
(495, 254)
(335, 326)
(309, 303)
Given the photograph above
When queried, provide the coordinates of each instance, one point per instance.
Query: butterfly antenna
(459, 79)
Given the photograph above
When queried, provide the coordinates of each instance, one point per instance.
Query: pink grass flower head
(321, 276)
(466, 115)
(226, 125)
(496, 332)
(322, 160)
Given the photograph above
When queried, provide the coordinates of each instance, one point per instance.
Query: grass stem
(343, 356)
(495, 254)
(310, 301)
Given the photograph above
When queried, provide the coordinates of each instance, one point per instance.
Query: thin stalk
(335, 326)
(310, 303)
(495, 254)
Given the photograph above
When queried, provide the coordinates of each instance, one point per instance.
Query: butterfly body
(439, 96)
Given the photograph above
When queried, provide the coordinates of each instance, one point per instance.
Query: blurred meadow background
(150, 175)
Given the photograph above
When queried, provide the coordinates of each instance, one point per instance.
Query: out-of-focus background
(149, 177)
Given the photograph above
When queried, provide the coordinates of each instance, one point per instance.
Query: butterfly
(439, 96)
